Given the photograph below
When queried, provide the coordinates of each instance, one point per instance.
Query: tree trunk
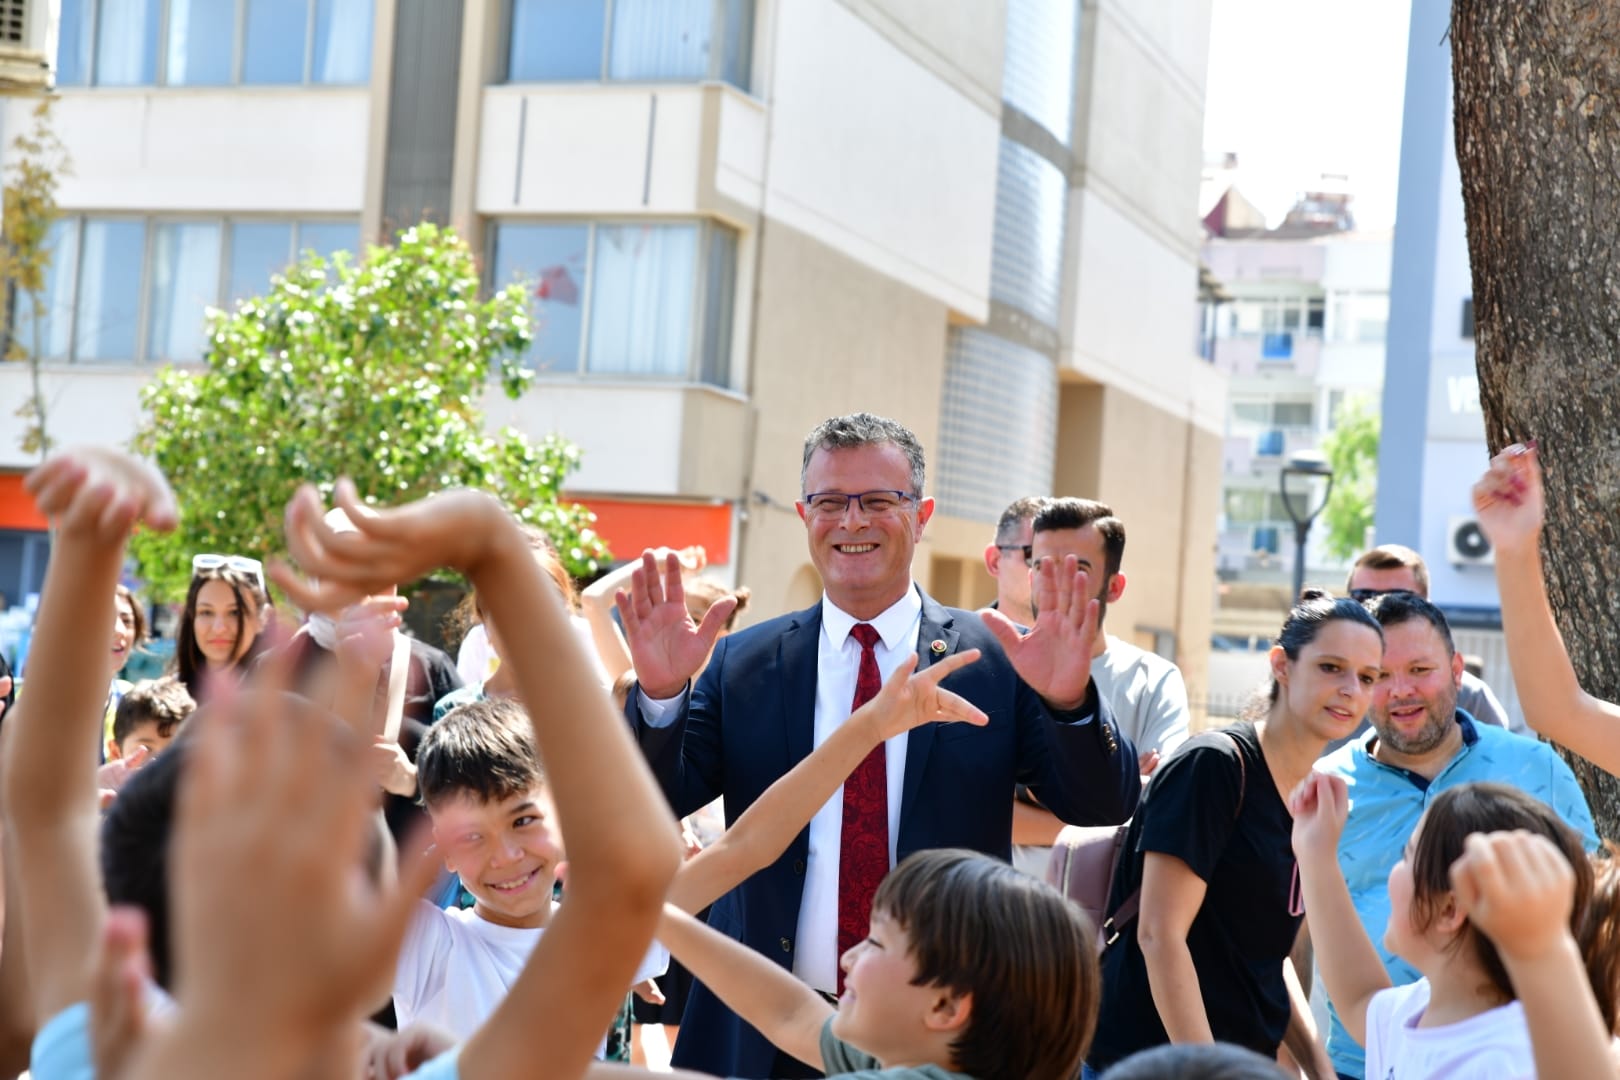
(1537, 115)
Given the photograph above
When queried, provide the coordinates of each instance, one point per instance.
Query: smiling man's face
(864, 559)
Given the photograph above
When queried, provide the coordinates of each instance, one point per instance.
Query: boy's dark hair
(164, 702)
(1026, 954)
(484, 748)
(135, 844)
(1071, 513)
(1594, 918)
(1395, 608)
(1205, 1061)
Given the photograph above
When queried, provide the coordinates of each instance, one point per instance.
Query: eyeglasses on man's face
(1027, 550)
(835, 504)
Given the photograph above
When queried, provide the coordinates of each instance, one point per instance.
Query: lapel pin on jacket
(937, 646)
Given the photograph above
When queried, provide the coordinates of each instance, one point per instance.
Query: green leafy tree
(370, 369)
(1351, 450)
(27, 211)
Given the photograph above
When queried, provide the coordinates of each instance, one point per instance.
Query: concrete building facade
(738, 217)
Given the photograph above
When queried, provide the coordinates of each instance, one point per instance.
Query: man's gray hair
(864, 429)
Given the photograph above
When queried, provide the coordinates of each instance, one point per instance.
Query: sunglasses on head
(240, 563)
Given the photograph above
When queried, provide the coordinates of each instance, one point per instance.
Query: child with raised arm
(1511, 506)
(1464, 1017)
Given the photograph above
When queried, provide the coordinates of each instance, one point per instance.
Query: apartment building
(737, 217)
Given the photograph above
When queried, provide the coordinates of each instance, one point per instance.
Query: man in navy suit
(772, 692)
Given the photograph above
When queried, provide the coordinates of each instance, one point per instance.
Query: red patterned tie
(863, 854)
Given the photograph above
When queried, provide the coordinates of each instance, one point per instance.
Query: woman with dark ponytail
(1206, 904)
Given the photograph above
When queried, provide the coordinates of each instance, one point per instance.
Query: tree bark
(1537, 117)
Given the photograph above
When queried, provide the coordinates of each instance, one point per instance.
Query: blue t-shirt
(1385, 805)
(62, 1051)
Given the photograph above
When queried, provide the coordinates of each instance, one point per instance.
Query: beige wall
(831, 336)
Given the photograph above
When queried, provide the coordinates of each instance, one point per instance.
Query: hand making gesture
(666, 647)
(1054, 658)
(1509, 500)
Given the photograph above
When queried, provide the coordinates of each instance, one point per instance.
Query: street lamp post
(1308, 477)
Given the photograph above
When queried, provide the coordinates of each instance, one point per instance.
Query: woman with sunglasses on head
(1205, 905)
(222, 627)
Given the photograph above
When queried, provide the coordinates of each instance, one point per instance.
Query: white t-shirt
(455, 967)
(1495, 1045)
(1146, 692)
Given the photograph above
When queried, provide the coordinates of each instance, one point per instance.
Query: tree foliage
(27, 211)
(370, 369)
(1351, 450)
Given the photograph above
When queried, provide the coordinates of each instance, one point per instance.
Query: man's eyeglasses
(240, 563)
(835, 504)
(1028, 551)
(1361, 596)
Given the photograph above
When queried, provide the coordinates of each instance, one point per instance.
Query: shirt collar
(893, 624)
(1470, 736)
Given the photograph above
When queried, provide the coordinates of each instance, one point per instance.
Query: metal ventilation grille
(13, 22)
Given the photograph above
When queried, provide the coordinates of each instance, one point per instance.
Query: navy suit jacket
(751, 718)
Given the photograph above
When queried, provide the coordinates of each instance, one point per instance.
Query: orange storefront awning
(629, 527)
(17, 509)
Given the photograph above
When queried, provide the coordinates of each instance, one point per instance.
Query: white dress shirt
(838, 661)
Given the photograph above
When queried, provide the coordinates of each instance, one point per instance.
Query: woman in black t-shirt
(1209, 861)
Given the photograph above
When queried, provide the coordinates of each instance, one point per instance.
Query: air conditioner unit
(27, 45)
(1466, 544)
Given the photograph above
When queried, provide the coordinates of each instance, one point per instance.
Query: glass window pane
(73, 38)
(719, 290)
(127, 43)
(1026, 253)
(185, 281)
(258, 250)
(202, 40)
(736, 65)
(273, 51)
(642, 293)
(325, 238)
(661, 39)
(55, 299)
(556, 40)
(342, 41)
(109, 300)
(1038, 70)
(550, 260)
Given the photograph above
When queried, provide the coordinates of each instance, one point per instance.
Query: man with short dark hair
(1421, 744)
(1007, 558)
(1397, 568)
(775, 690)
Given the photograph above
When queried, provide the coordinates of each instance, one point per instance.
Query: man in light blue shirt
(1421, 744)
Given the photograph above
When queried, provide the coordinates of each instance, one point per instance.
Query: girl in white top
(1463, 1018)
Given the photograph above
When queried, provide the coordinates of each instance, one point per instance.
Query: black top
(1245, 928)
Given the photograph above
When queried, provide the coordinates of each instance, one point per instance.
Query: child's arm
(621, 839)
(765, 829)
(95, 497)
(783, 1009)
(1350, 966)
(1517, 889)
(1510, 502)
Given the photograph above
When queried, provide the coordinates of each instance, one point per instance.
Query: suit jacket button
(787, 946)
(798, 866)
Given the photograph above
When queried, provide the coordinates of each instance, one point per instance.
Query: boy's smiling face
(883, 1012)
(506, 852)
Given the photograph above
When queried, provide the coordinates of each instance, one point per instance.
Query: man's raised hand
(1054, 658)
(666, 647)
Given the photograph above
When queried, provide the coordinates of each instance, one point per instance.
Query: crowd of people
(324, 848)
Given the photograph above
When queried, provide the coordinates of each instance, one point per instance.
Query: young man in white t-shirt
(480, 779)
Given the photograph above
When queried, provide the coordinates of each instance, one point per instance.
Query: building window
(643, 300)
(1264, 316)
(132, 290)
(631, 40)
(214, 42)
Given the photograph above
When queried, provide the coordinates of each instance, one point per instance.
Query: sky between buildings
(1299, 88)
